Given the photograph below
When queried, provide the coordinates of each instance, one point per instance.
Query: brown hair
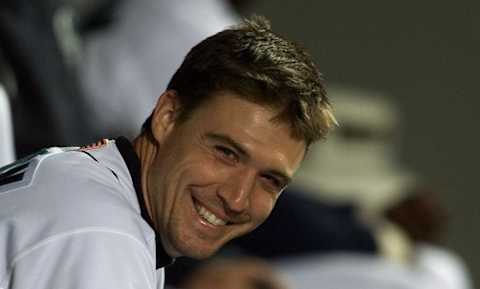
(259, 65)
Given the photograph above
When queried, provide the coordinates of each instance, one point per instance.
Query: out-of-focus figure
(351, 271)
(358, 164)
(46, 104)
(127, 63)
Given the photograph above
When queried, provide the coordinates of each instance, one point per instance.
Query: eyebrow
(284, 178)
(241, 150)
(228, 140)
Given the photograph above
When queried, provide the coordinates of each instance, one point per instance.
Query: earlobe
(164, 115)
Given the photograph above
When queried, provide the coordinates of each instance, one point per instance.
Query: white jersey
(75, 218)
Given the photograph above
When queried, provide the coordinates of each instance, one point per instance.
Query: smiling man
(221, 144)
(217, 175)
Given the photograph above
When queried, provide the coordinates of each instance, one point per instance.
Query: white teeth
(209, 216)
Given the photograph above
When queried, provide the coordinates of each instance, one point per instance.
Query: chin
(201, 255)
(194, 248)
(198, 253)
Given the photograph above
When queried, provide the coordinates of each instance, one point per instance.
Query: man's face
(217, 175)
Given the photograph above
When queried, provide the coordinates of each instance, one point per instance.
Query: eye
(226, 153)
(273, 183)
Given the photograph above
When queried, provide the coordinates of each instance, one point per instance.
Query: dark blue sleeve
(302, 225)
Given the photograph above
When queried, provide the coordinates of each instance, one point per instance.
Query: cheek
(262, 205)
(190, 169)
(205, 171)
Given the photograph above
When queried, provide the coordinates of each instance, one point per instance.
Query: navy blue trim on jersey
(133, 163)
(12, 175)
(95, 159)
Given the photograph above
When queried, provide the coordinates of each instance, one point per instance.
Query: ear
(165, 115)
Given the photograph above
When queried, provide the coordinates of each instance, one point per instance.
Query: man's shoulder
(67, 171)
(91, 186)
(70, 190)
(103, 165)
(51, 166)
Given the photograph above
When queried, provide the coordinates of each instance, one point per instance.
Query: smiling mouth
(208, 216)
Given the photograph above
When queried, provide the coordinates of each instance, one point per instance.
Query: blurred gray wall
(426, 55)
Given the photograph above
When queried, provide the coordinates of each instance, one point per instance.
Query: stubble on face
(207, 189)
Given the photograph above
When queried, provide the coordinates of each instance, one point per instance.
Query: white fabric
(7, 154)
(70, 223)
(444, 265)
(125, 68)
(350, 271)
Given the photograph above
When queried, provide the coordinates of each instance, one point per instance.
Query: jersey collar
(133, 163)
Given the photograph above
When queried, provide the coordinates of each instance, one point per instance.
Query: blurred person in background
(113, 54)
(126, 63)
(38, 75)
(359, 165)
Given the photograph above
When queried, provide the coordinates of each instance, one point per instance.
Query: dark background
(425, 55)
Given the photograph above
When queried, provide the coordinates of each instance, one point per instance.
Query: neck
(146, 151)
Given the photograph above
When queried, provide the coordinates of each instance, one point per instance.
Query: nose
(237, 190)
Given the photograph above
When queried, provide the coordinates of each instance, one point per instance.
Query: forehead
(252, 126)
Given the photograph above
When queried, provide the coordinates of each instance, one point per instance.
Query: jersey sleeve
(84, 259)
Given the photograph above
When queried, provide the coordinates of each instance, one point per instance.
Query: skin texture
(228, 156)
